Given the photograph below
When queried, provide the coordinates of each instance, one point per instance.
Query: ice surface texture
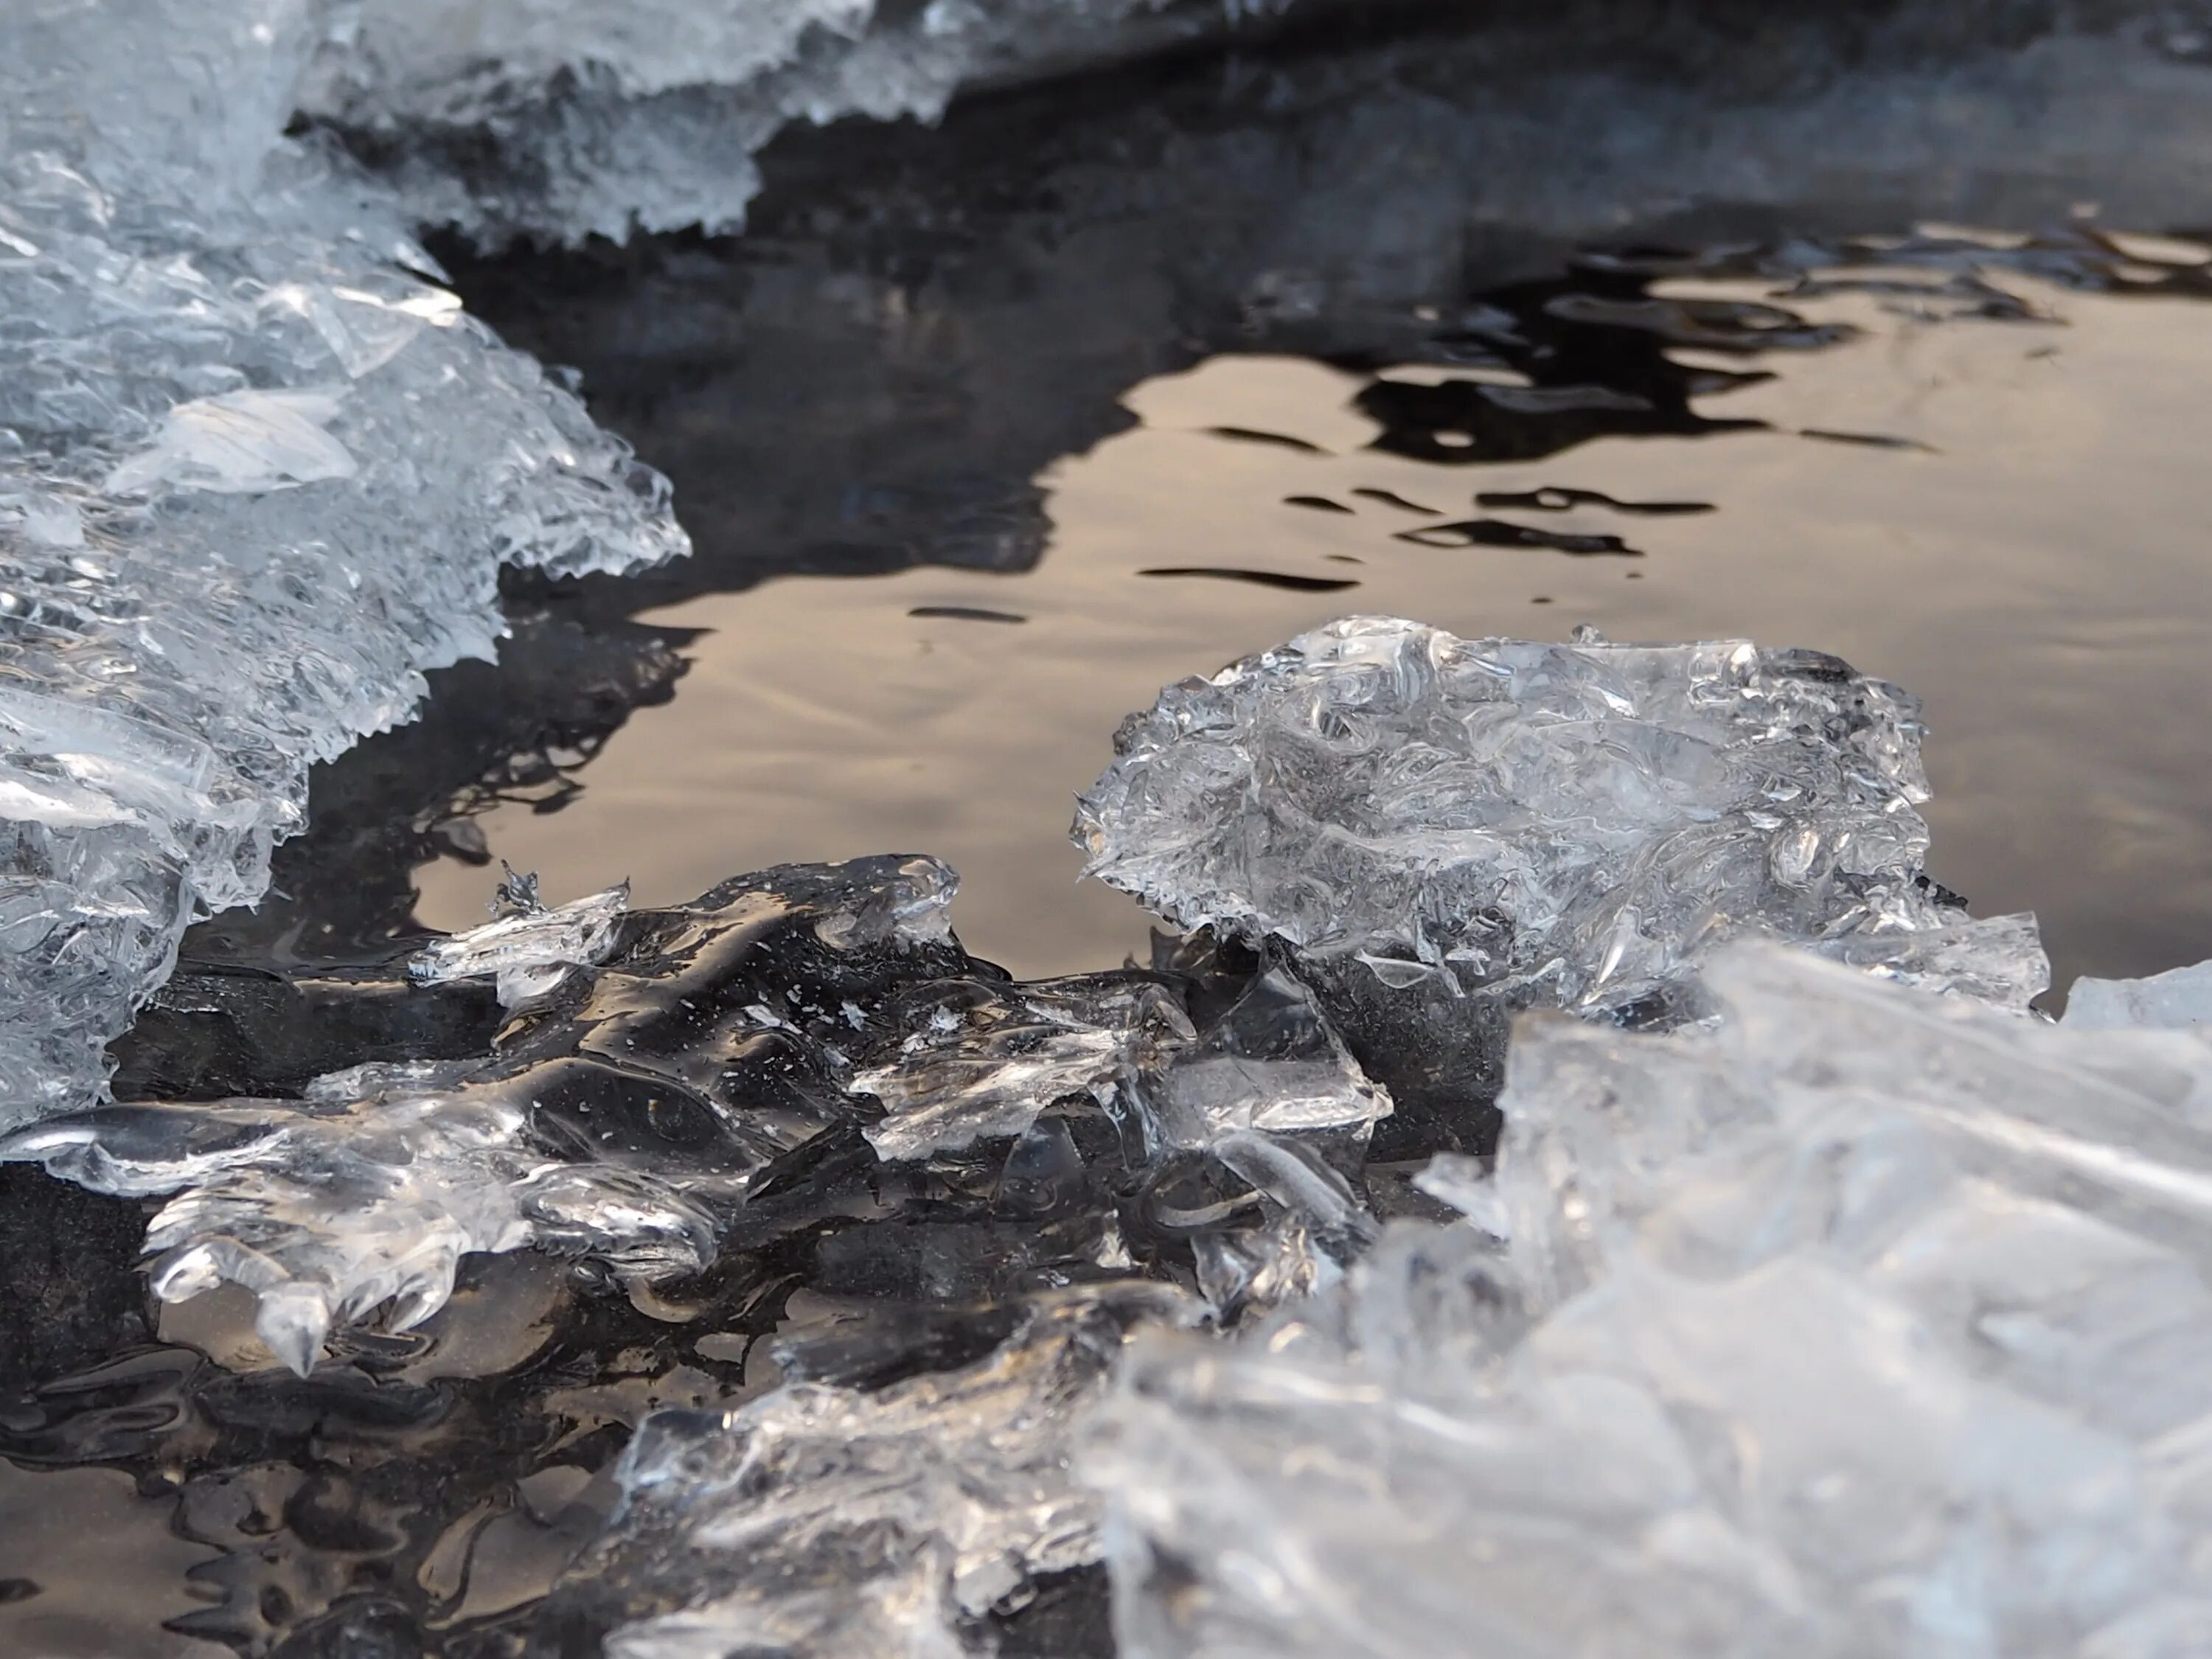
(2182, 997)
(1563, 825)
(822, 1519)
(1867, 1323)
(558, 121)
(258, 472)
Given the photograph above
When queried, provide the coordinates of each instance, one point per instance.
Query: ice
(1859, 1322)
(558, 120)
(826, 1519)
(1562, 825)
(530, 951)
(258, 471)
(2180, 997)
(618, 1116)
(983, 1059)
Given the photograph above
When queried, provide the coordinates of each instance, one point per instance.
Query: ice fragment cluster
(258, 471)
(555, 121)
(530, 951)
(1863, 1323)
(1563, 825)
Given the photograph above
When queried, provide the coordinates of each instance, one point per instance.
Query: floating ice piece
(1864, 1323)
(258, 475)
(530, 952)
(1565, 825)
(820, 1519)
(2179, 998)
(560, 120)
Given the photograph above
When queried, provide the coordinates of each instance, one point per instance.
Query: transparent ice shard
(1861, 1323)
(530, 951)
(258, 472)
(825, 1519)
(2179, 998)
(558, 120)
(1563, 825)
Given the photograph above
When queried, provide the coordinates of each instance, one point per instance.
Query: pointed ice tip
(293, 1322)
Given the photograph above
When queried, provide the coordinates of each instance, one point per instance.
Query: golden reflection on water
(2037, 571)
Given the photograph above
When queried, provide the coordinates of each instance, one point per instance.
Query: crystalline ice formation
(828, 1519)
(2181, 997)
(1565, 825)
(1865, 1323)
(619, 1114)
(559, 120)
(983, 1061)
(529, 952)
(256, 474)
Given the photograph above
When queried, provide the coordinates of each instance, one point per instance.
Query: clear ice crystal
(557, 121)
(530, 951)
(1861, 1323)
(822, 1519)
(258, 471)
(1565, 825)
(982, 1061)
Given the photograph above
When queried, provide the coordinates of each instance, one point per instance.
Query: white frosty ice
(1563, 825)
(258, 471)
(1865, 1324)
(559, 121)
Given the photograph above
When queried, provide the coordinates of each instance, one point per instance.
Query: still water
(1924, 454)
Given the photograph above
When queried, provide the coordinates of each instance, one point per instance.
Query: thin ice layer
(256, 474)
(1570, 825)
(1864, 1324)
(822, 1519)
(559, 120)
(530, 951)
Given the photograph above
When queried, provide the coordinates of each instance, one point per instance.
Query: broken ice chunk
(828, 1520)
(1830, 1329)
(531, 950)
(1571, 825)
(1270, 1062)
(983, 1061)
(2178, 998)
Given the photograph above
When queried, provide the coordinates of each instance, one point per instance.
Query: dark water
(1883, 332)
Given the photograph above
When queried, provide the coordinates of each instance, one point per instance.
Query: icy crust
(1563, 825)
(558, 121)
(827, 1519)
(1865, 1323)
(258, 472)
(2179, 998)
